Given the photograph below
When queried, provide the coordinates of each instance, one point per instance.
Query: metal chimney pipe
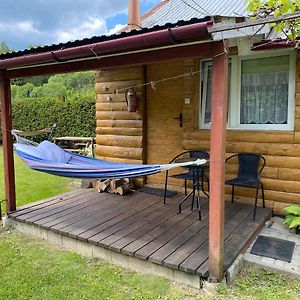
(134, 18)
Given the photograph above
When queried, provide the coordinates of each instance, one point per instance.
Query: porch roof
(94, 48)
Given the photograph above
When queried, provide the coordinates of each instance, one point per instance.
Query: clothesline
(153, 83)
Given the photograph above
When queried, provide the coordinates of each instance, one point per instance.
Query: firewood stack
(113, 186)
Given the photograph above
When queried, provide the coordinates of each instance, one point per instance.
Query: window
(206, 88)
(261, 93)
(206, 80)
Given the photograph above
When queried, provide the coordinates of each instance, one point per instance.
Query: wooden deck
(140, 225)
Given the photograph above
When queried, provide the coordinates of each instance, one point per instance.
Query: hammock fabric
(50, 158)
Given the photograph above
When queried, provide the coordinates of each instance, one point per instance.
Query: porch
(140, 226)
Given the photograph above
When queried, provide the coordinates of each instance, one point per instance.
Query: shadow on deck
(139, 225)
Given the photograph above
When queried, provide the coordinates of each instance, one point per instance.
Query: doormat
(157, 192)
(273, 248)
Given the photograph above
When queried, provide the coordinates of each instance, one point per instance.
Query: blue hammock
(50, 158)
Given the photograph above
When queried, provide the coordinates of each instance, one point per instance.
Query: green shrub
(293, 217)
(73, 118)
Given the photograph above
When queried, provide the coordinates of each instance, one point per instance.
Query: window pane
(264, 91)
(206, 89)
(208, 95)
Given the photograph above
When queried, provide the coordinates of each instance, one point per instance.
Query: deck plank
(61, 210)
(144, 226)
(36, 206)
(85, 208)
(58, 204)
(115, 218)
(94, 225)
(193, 262)
(162, 240)
(122, 228)
(242, 234)
(162, 229)
(167, 249)
(185, 250)
(77, 222)
(150, 220)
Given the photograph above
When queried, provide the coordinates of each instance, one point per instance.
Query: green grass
(255, 283)
(32, 269)
(32, 185)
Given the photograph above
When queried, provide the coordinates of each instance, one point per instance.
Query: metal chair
(249, 174)
(189, 175)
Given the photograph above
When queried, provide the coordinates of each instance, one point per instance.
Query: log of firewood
(101, 185)
(120, 186)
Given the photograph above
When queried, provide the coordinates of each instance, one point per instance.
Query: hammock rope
(29, 133)
(50, 158)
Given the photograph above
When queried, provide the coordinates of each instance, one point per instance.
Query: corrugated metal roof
(174, 10)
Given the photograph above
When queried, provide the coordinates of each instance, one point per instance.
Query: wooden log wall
(281, 176)
(119, 133)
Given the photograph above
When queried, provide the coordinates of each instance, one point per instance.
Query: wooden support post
(217, 159)
(8, 155)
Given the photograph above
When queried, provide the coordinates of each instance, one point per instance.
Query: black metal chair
(249, 175)
(189, 175)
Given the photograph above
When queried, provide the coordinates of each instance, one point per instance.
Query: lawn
(32, 185)
(33, 269)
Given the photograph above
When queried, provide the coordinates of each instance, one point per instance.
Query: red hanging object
(131, 99)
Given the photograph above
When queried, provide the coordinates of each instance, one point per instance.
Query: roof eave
(139, 41)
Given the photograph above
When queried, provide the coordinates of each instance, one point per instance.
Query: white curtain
(264, 91)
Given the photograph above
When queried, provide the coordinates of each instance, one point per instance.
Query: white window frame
(235, 86)
(203, 105)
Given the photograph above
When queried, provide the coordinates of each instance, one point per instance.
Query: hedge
(73, 118)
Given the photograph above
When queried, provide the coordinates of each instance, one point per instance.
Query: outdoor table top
(74, 138)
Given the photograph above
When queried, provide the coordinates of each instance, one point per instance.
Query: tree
(4, 48)
(35, 80)
(54, 90)
(23, 91)
(71, 87)
(265, 8)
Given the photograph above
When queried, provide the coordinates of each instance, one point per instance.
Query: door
(164, 106)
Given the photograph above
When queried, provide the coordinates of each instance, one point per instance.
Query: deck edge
(96, 251)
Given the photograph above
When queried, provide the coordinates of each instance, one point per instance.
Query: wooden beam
(256, 22)
(133, 59)
(8, 155)
(217, 159)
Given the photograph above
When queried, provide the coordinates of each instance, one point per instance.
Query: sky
(26, 23)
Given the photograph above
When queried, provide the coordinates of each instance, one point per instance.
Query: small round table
(198, 173)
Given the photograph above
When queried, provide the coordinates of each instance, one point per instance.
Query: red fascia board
(202, 50)
(187, 33)
(269, 45)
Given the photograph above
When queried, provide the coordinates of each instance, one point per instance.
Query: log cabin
(154, 134)
(183, 73)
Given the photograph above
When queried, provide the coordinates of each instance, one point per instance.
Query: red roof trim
(276, 44)
(159, 38)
